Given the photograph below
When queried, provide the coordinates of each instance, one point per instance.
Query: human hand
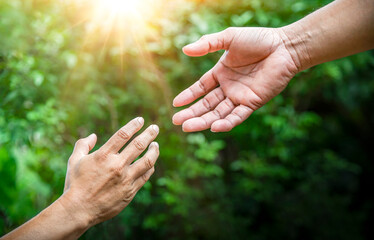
(100, 185)
(256, 66)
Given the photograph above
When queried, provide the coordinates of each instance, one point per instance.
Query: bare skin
(258, 63)
(98, 186)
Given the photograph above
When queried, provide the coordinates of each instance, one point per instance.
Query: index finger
(206, 84)
(123, 135)
(138, 145)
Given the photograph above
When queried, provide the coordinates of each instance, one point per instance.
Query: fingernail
(140, 120)
(156, 128)
(155, 144)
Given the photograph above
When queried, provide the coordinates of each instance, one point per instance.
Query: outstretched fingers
(236, 117)
(208, 103)
(206, 44)
(147, 162)
(205, 121)
(139, 144)
(122, 136)
(200, 88)
(138, 183)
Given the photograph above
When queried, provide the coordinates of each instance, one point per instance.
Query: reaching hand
(255, 67)
(103, 183)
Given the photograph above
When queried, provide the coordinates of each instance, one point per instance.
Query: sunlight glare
(120, 25)
(120, 6)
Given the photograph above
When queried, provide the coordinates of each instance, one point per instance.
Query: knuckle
(128, 197)
(152, 132)
(148, 162)
(128, 180)
(139, 145)
(123, 134)
(116, 171)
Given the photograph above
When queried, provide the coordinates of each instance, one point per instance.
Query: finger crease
(210, 47)
(207, 104)
(257, 101)
(127, 199)
(215, 79)
(193, 111)
(237, 115)
(206, 123)
(201, 86)
(217, 113)
(148, 162)
(221, 43)
(217, 95)
(193, 93)
(139, 145)
(228, 103)
(122, 134)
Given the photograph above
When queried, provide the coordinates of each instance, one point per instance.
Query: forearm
(54, 222)
(340, 29)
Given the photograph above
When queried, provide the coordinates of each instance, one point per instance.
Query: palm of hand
(255, 68)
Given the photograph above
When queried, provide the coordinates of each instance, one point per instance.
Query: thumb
(210, 43)
(84, 146)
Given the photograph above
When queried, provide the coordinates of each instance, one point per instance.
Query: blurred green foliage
(300, 167)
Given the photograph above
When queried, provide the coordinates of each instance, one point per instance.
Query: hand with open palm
(256, 66)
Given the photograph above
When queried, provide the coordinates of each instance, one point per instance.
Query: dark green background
(300, 168)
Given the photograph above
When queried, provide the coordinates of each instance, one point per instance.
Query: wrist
(297, 41)
(76, 211)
